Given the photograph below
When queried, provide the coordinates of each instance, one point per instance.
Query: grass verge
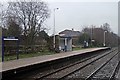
(26, 55)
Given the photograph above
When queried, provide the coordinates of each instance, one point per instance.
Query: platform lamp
(104, 44)
(54, 29)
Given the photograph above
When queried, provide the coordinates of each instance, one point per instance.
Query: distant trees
(106, 27)
(31, 15)
(84, 37)
(97, 34)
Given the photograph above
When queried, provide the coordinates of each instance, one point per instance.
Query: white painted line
(10, 39)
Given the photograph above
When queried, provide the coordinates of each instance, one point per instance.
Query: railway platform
(21, 64)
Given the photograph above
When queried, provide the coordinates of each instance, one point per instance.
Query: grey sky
(77, 14)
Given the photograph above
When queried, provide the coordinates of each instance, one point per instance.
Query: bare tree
(13, 29)
(106, 27)
(98, 35)
(31, 16)
(1, 6)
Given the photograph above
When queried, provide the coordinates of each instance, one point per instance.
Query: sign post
(10, 39)
(17, 49)
(2, 49)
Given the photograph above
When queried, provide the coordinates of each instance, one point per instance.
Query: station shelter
(65, 43)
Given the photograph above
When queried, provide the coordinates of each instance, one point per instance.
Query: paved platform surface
(9, 65)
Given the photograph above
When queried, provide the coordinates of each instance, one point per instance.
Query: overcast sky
(78, 13)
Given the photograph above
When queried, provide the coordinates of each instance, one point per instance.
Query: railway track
(62, 68)
(94, 71)
(64, 72)
(41, 75)
(69, 70)
(103, 69)
(117, 73)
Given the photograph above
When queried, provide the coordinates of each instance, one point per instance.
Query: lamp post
(104, 39)
(54, 28)
(92, 34)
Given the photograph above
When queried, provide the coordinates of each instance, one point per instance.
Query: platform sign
(10, 39)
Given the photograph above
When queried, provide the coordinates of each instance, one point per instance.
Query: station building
(67, 39)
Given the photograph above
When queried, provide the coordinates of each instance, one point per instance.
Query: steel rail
(73, 65)
(97, 70)
(117, 67)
